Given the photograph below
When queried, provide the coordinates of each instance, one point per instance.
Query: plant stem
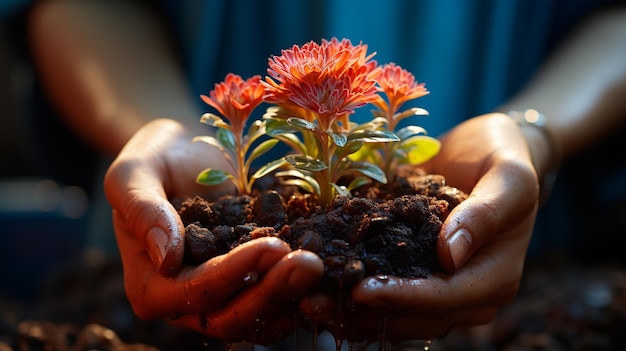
(388, 155)
(324, 177)
(242, 176)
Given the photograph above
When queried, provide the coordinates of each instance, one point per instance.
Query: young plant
(414, 147)
(317, 87)
(235, 99)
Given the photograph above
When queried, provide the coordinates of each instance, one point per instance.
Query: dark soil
(382, 230)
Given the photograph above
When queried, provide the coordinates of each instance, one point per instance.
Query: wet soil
(381, 230)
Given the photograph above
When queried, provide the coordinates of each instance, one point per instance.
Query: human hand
(214, 298)
(481, 246)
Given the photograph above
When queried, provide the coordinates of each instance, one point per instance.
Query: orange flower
(235, 99)
(331, 79)
(400, 86)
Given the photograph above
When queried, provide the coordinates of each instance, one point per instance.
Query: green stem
(388, 156)
(324, 177)
(242, 176)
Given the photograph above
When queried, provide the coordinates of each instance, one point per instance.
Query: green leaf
(370, 170)
(226, 138)
(274, 127)
(306, 163)
(301, 123)
(261, 149)
(269, 167)
(409, 131)
(256, 128)
(211, 176)
(302, 180)
(375, 123)
(372, 136)
(420, 148)
(367, 153)
(339, 139)
(292, 141)
(415, 111)
(214, 121)
(341, 190)
(209, 140)
(301, 184)
(359, 182)
(349, 149)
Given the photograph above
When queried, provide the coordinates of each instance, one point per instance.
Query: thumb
(140, 201)
(503, 198)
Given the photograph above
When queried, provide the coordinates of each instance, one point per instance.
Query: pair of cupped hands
(481, 246)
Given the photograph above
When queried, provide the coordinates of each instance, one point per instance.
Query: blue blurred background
(48, 187)
(55, 221)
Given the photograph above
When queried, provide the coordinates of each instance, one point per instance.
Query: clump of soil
(35, 335)
(382, 230)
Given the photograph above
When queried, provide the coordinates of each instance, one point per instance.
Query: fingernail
(156, 244)
(309, 270)
(459, 245)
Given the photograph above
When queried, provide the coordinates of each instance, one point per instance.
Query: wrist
(543, 148)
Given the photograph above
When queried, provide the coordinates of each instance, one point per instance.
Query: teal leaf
(306, 163)
(275, 126)
(370, 170)
(301, 123)
(372, 136)
(339, 139)
(226, 138)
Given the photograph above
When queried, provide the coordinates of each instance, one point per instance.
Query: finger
(505, 195)
(278, 292)
(254, 312)
(490, 278)
(134, 188)
(193, 289)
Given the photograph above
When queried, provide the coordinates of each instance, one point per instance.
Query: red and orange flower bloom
(235, 98)
(400, 86)
(331, 79)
